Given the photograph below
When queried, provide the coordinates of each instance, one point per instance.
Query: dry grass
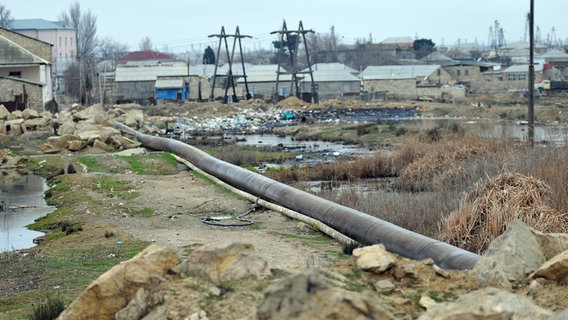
(493, 202)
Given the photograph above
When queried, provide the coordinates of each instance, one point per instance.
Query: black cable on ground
(244, 222)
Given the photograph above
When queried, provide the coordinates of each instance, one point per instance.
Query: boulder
(37, 123)
(487, 303)
(30, 114)
(4, 113)
(132, 152)
(374, 258)
(562, 315)
(75, 145)
(551, 244)
(90, 113)
(114, 290)
(307, 295)
(554, 269)
(134, 118)
(510, 257)
(222, 262)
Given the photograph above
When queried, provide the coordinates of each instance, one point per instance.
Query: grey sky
(185, 24)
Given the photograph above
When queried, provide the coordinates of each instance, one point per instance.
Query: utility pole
(230, 55)
(531, 75)
(291, 40)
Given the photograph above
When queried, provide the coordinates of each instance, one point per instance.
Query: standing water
(21, 202)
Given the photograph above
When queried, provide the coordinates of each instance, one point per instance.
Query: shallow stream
(22, 201)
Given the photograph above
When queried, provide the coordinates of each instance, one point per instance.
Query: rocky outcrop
(225, 262)
(487, 303)
(128, 281)
(307, 296)
(76, 129)
(507, 261)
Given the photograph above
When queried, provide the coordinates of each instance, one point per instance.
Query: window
(60, 41)
(16, 74)
(511, 77)
(439, 72)
(522, 77)
(66, 41)
(458, 73)
(466, 72)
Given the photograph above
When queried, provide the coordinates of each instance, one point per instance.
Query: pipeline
(357, 225)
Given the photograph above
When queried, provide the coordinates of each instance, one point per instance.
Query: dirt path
(181, 201)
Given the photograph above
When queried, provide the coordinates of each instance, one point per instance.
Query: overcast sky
(182, 25)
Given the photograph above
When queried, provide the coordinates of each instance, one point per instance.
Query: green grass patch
(92, 164)
(115, 188)
(152, 164)
(68, 270)
(145, 212)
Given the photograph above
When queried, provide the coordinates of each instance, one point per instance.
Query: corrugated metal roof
(265, 73)
(517, 68)
(554, 54)
(145, 55)
(331, 72)
(207, 70)
(38, 24)
(398, 72)
(169, 83)
(149, 71)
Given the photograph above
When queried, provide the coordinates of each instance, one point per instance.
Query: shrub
(49, 309)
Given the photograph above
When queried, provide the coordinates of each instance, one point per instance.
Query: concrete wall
(11, 88)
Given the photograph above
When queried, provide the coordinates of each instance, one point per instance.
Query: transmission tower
(290, 39)
(230, 56)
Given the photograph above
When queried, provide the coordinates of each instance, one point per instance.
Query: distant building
(333, 81)
(25, 71)
(137, 72)
(63, 38)
(411, 81)
(261, 80)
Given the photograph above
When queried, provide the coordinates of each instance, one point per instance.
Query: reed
(445, 187)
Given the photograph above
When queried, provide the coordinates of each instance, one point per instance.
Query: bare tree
(111, 49)
(146, 44)
(86, 25)
(324, 46)
(5, 17)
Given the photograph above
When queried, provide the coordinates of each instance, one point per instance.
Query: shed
(172, 89)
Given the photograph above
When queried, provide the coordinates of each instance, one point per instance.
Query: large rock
(307, 295)
(114, 290)
(551, 244)
(30, 114)
(374, 258)
(487, 303)
(223, 262)
(554, 269)
(134, 118)
(510, 257)
(4, 113)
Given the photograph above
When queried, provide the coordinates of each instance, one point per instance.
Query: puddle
(23, 202)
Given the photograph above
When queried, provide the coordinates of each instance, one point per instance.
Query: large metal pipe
(355, 224)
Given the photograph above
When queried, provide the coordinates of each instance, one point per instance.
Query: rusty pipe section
(357, 225)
